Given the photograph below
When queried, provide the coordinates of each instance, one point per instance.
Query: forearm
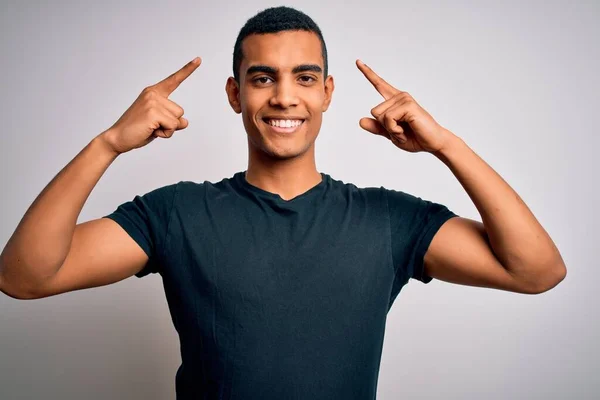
(41, 241)
(518, 240)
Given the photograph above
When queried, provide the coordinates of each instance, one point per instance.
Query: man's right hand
(151, 115)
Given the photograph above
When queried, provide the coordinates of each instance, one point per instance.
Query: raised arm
(509, 250)
(49, 253)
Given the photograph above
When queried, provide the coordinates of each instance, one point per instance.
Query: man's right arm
(49, 253)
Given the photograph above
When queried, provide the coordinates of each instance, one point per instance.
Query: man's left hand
(401, 119)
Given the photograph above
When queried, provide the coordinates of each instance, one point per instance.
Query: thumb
(373, 126)
(183, 123)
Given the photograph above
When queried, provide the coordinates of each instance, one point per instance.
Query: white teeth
(285, 123)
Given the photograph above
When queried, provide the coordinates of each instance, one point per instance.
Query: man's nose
(285, 94)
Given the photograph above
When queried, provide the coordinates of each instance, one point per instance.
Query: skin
(49, 253)
(281, 163)
(509, 250)
(151, 115)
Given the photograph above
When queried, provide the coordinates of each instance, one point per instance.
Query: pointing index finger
(384, 88)
(170, 83)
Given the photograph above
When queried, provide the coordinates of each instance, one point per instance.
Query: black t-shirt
(276, 299)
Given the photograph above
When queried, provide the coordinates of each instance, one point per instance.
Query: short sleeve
(413, 224)
(146, 220)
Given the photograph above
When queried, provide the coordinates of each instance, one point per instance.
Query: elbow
(549, 280)
(18, 295)
(16, 292)
(15, 284)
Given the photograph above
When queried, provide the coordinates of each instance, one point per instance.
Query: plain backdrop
(518, 81)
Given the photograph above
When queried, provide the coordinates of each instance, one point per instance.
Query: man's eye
(262, 80)
(307, 79)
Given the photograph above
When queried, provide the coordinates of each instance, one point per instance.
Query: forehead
(283, 50)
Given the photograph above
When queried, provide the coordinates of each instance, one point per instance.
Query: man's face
(282, 92)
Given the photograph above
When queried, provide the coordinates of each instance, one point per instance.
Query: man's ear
(329, 87)
(233, 94)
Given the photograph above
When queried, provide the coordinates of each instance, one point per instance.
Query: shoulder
(190, 193)
(356, 190)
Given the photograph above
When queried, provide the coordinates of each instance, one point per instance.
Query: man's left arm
(510, 250)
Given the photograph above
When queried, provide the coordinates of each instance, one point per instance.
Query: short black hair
(273, 20)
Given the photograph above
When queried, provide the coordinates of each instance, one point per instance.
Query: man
(279, 279)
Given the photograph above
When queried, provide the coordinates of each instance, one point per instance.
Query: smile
(284, 125)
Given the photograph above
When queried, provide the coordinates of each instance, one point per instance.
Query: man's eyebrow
(270, 70)
(307, 67)
(261, 68)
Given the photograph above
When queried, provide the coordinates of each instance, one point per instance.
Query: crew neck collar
(240, 178)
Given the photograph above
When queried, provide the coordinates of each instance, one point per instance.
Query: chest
(252, 265)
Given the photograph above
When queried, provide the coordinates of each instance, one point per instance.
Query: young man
(279, 279)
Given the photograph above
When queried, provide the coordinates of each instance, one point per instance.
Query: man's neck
(287, 178)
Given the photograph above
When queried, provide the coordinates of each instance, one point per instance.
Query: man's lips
(284, 124)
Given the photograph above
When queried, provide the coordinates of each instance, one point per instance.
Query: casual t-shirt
(276, 299)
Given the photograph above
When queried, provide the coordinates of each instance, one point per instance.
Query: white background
(517, 81)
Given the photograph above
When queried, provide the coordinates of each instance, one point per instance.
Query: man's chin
(267, 149)
(280, 154)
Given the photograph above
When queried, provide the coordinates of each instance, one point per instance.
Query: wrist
(102, 142)
(450, 147)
